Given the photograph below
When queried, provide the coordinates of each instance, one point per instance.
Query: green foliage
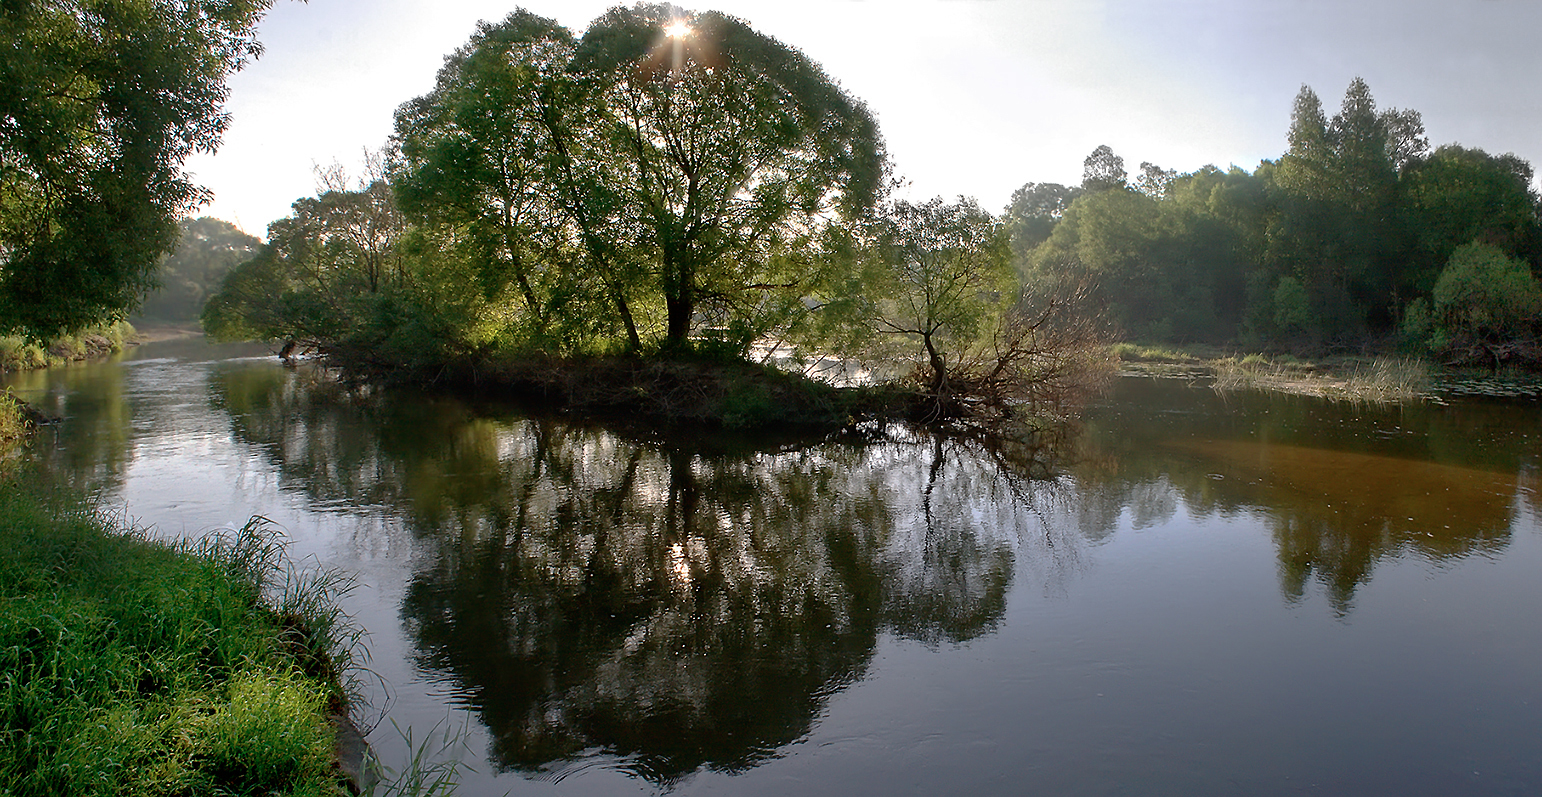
(208, 250)
(15, 424)
(1457, 196)
(1103, 170)
(1334, 243)
(630, 185)
(322, 275)
(101, 108)
(1033, 213)
(133, 667)
(1485, 294)
(940, 274)
(1292, 307)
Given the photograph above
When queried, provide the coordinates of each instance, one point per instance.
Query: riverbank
(138, 667)
(20, 354)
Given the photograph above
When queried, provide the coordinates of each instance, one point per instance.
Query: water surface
(1252, 594)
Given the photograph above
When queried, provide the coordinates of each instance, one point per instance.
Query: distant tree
(1458, 196)
(1406, 142)
(1337, 228)
(1122, 244)
(315, 279)
(208, 250)
(1103, 170)
(1154, 181)
(1033, 213)
(100, 103)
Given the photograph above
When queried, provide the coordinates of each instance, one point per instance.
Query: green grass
(14, 424)
(131, 667)
(20, 354)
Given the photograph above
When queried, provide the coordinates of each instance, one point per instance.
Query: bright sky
(973, 97)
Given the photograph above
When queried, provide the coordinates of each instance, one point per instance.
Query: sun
(678, 29)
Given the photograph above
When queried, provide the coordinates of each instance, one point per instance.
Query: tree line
(1359, 233)
(671, 182)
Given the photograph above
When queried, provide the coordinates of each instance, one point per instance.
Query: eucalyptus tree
(100, 104)
(666, 168)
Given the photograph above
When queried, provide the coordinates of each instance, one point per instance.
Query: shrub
(1484, 293)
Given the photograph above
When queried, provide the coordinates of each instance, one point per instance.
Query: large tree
(101, 101)
(667, 165)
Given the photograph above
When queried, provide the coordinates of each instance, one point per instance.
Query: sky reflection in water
(1253, 593)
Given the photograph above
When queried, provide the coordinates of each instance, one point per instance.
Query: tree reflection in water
(675, 605)
(1340, 486)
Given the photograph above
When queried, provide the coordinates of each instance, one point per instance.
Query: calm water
(1245, 595)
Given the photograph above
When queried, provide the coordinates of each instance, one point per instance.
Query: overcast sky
(973, 97)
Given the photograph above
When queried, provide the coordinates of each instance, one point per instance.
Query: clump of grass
(1383, 380)
(15, 423)
(434, 769)
(1137, 353)
(135, 667)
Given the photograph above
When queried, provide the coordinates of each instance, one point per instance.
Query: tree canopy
(100, 104)
(660, 182)
(209, 248)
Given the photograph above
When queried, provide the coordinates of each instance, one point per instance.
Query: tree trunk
(680, 311)
(939, 368)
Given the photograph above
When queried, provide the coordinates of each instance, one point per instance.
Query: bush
(1486, 294)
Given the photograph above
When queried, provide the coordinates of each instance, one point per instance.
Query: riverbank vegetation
(669, 186)
(666, 189)
(1360, 237)
(19, 353)
(138, 667)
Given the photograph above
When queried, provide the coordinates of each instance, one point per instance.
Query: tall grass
(130, 667)
(1383, 380)
(14, 423)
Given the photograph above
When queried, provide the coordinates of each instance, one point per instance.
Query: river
(1245, 594)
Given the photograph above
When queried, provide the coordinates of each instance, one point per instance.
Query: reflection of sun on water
(679, 564)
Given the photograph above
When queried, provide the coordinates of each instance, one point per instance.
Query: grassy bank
(20, 354)
(131, 667)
